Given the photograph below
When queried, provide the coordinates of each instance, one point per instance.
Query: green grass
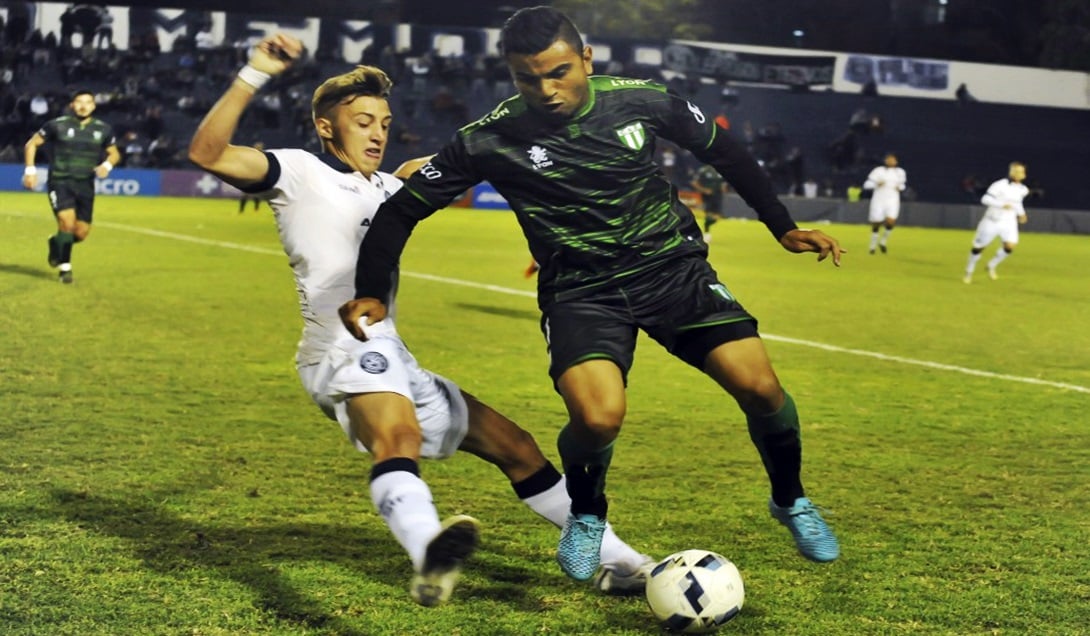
(163, 472)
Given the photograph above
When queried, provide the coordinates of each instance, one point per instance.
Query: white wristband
(253, 77)
(29, 170)
(106, 164)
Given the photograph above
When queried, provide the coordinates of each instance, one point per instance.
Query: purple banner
(194, 183)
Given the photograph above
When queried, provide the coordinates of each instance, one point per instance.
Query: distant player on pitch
(384, 401)
(1002, 218)
(82, 148)
(888, 182)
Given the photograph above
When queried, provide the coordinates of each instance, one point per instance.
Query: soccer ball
(695, 591)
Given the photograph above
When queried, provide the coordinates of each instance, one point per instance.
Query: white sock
(554, 505)
(405, 503)
(998, 258)
(973, 258)
(885, 236)
(874, 239)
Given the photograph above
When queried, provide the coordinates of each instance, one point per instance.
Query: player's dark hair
(362, 81)
(79, 92)
(534, 29)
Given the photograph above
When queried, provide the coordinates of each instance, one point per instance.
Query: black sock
(544, 479)
(64, 246)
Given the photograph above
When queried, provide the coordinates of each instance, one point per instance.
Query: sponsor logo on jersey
(627, 82)
(374, 362)
(351, 188)
(540, 157)
(633, 135)
(697, 114)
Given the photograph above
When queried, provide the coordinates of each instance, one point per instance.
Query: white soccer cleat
(967, 279)
(611, 580)
(446, 553)
(992, 273)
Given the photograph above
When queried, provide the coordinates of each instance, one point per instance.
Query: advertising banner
(726, 65)
(122, 181)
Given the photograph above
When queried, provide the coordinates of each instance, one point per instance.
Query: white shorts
(882, 208)
(1005, 228)
(384, 364)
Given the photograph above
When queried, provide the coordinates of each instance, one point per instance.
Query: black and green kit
(76, 147)
(591, 201)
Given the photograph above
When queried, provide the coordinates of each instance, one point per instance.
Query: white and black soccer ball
(695, 591)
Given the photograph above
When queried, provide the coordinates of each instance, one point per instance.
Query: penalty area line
(529, 294)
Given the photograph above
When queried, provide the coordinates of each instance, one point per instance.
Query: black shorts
(78, 195)
(682, 305)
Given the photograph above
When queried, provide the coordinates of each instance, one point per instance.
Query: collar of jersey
(590, 100)
(334, 162)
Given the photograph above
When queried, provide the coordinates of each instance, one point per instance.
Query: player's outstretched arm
(405, 170)
(799, 241)
(211, 147)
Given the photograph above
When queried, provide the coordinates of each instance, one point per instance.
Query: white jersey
(886, 182)
(1000, 195)
(323, 209)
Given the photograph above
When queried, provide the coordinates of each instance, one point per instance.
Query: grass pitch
(163, 472)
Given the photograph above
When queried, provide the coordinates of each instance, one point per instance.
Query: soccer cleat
(65, 277)
(992, 274)
(707, 237)
(610, 580)
(882, 246)
(446, 552)
(579, 552)
(871, 251)
(531, 269)
(967, 279)
(54, 257)
(814, 538)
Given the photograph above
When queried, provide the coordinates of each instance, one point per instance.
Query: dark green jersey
(76, 148)
(591, 201)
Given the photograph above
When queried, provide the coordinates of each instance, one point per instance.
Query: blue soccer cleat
(579, 552)
(813, 536)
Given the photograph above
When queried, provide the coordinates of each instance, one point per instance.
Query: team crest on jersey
(540, 157)
(374, 362)
(633, 135)
(98, 135)
(71, 132)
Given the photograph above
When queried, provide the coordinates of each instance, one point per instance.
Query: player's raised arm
(211, 147)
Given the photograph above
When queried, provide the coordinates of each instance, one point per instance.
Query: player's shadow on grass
(35, 272)
(520, 314)
(250, 554)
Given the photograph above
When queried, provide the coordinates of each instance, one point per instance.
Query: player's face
(1017, 173)
(554, 81)
(891, 161)
(359, 131)
(82, 106)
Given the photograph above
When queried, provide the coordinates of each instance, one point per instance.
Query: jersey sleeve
(443, 179)
(872, 180)
(47, 131)
(992, 198)
(684, 123)
(108, 137)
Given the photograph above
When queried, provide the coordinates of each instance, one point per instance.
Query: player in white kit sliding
(1004, 214)
(888, 182)
(385, 402)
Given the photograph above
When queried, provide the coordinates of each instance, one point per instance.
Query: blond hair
(362, 81)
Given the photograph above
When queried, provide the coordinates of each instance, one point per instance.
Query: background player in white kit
(888, 182)
(1005, 212)
(385, 402)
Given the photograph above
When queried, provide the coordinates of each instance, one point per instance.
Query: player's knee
(759, 394)
(601, 420)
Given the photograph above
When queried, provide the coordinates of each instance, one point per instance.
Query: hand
(370, 309)
(102, 171)
(30, 181)
(799, 241)
(276, 53)
(1022, 218)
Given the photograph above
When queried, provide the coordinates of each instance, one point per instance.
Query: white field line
(528, 294)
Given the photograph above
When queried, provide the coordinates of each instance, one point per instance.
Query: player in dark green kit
(711, 186)
(82, 148)
(572, 154)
